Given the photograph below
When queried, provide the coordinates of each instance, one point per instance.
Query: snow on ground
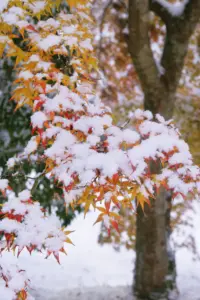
(94, 272)
(187, 268)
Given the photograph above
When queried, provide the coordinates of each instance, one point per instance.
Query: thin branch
(37, 180)
(190, 16)
(106, 9)
(179, 27)
(125, 124)
(179, 32)
(160, 11)
(141, 53)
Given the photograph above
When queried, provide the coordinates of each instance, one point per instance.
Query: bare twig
(37, 180)
(102, 24)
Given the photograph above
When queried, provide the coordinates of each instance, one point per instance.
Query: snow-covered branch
(175, 9)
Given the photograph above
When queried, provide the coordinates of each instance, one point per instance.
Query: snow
(175, 9)
(25, 75)
(3, 4)
(12, 161)
(36, 8)
(69, 29)
(130, 136)
(31, 146)
(24, 195)
(3, 184)
(63, 140)
(86, 44)
(49, 23)
(16, 10)
(34, 228)
(50, 41)
(6, 294)
(87, 264)
(34, 57)
(140, 114)
(38, 119)
(4, 39)
(94, 272)
(15, 278)
(10, 18)
(96, 123)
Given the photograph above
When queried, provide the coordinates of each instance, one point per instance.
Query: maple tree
(96, 163)
(149, 55)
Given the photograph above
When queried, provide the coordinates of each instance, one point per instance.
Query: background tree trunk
(151, 249)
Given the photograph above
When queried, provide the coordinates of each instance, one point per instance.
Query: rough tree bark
(153, 228)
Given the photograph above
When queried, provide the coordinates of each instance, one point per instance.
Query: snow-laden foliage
(95, 162)
(16, 282)
(25, 225)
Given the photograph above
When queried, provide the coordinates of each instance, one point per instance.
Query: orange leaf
(31, 27)
(107, 206)
(115, 178)
(56, 255)
(115, 225)
(22, 295)
(99, 219)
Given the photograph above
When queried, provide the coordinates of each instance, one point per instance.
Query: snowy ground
(94, 272)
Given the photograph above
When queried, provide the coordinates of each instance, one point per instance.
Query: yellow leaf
(99, 219)
(102, 209)
(89, 201)
(114, 215)
(74, 3)
(68, 232)
(2, 47)
(87, 206)
(49, 165)
(141, 200)
(68, 241)
(92, 62)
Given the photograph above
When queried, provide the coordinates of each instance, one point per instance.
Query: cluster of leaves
(16, 282)
(25, 224)
(120, 87)
(95, 163)
(14, 135)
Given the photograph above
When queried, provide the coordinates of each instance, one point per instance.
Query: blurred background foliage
(15, 131)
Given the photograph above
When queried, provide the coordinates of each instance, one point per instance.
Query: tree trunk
(151, 249)
(155, 271)
(154, 260)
